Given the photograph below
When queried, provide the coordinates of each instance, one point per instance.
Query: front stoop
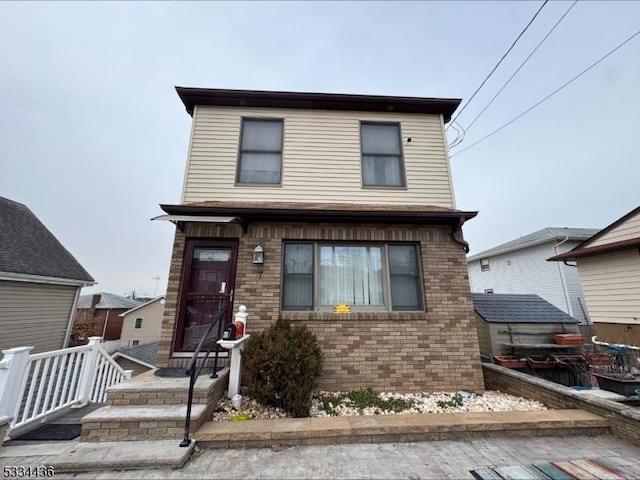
(399, 428)
(85, 457)
(153, 408)
(140, 422)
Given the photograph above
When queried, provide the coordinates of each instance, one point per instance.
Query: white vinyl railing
(110, 346)
(33, 387)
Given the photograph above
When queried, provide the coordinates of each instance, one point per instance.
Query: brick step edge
(466, 435)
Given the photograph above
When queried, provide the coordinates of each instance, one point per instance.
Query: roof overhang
(311, 213)
(246, 214)
(613, 247)
(316, 101)
(180, 220)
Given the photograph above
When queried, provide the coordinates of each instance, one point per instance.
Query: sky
(93, 136)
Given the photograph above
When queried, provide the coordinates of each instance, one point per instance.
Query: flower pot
(540, 361)
(509, 361)
(621, 383)
(569, 339)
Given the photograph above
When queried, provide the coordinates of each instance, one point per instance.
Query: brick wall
(396, 351)
(624, 421)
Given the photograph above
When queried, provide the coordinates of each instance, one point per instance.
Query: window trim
(135, 343)
(403, 171)
(135, 324)
(238, 183)
(485, 267)
(386, 277)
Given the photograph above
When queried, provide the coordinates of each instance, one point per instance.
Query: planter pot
(509, 361)
(569, 339)
(568, 360)
(599, 359)
(540, 361)
(621, 383)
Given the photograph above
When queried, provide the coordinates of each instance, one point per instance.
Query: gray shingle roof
(541, 236)
(108, 300)
(510, 308)
(147, 352)
(28, 248)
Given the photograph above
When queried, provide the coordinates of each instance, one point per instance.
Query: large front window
(318, 276)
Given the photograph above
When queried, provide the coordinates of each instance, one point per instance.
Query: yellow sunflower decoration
(342, 308)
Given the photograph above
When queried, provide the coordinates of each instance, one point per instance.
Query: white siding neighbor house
(39, 282)
(609, 268)
(142, 324)
(520, 267)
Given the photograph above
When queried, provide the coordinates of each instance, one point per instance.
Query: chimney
(95, 300)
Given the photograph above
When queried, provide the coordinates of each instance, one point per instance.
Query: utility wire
(498, 64)
(522, 64)
(548, 96)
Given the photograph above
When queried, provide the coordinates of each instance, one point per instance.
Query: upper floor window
(484, 265)
(318, 276)
(138, 323)
(260, 159)
(382, 164)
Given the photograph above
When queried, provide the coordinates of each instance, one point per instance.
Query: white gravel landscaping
(332, 404)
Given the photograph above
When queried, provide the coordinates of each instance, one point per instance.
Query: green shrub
(281, 367)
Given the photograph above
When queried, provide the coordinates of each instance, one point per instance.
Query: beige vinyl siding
(627, 230)
(151, 315)
(321, 158)
(34, 314)
(611, 285)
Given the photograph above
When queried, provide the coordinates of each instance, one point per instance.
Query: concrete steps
(153, 408)
(398, 428)
(140, 422)
(85, 457)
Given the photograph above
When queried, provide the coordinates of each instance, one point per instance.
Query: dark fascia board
(579, 252)
(340, 216)
(316, 101)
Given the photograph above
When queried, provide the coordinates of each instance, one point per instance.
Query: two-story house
(609, 267)
(295, 202)
(520, 267)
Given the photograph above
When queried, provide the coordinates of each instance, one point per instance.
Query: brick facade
(392, 351)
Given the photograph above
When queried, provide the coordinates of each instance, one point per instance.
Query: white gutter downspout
(72, 317)
(563, 281)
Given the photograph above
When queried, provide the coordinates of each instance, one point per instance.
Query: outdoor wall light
(258, 255)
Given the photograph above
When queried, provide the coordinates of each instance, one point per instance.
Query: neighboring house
(506, 320)
(142, 324)
(139, 358)
(609, 267)
(520, 266)
(295, 202)
(39, 282)
(99, 315)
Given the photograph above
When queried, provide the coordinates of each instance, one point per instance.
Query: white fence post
(88, 369)
(12, 372)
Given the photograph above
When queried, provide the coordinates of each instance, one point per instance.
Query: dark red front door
(208, 281)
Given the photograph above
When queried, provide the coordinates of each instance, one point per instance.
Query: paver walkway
(424, 460)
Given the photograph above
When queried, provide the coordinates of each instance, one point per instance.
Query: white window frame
(386, 277)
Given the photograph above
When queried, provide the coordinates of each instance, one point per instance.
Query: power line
(498, 64)
(522, 64)
(548, 96)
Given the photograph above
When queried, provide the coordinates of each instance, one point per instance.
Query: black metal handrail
(194, 373)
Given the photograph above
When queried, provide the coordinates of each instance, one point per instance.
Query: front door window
(207, 288)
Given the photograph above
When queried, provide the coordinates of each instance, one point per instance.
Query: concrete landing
(84, 457)
(398, 428)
